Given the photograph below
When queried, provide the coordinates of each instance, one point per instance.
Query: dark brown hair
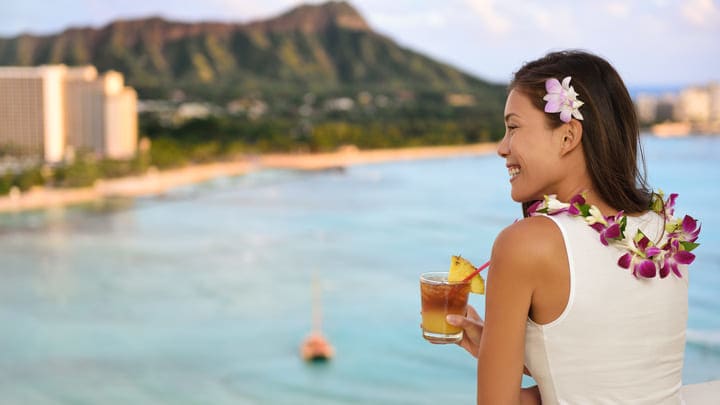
(611, 137)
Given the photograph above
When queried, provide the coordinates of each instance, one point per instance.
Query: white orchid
(554, 205)
(595, 217)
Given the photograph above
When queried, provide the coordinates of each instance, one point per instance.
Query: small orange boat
(316, 347)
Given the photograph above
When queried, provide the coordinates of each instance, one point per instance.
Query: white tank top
(620, 339)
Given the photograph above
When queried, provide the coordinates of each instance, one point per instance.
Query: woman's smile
(513, 171)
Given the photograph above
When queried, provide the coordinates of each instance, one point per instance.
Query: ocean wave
(709, 339)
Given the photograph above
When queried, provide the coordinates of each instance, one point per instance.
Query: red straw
(478, 270)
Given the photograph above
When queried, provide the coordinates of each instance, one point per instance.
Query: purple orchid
(575, 203)
(562, 98)
(688, 231)
(534, 207)
(639, 265)
(675, 256)
(640, 259)
(670, 205)
(611, 229)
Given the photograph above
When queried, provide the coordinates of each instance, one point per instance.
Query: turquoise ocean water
(202, 296)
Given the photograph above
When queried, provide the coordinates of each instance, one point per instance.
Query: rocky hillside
(326, 48)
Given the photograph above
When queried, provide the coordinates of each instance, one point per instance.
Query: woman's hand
(472, 326)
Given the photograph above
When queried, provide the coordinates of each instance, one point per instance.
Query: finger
(464, 321)
(456, 320)
(472, 313)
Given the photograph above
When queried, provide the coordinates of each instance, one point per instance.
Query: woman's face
(531, 150)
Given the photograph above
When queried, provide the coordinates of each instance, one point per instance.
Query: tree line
(230, 137)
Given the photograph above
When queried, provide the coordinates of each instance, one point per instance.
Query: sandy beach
(158, 182)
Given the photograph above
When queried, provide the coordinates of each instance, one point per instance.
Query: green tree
(166, 152)
(28, 178)
(83, 172)
(6, 182)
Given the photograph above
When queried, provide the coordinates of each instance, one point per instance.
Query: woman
(576, 297)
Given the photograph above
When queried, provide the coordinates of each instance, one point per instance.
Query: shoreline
(156, 182)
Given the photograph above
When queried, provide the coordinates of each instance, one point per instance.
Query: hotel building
(50, 112)
(693, 105)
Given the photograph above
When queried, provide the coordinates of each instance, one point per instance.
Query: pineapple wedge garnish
(461, 268)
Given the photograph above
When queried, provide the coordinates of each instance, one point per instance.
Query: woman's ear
(571, 136)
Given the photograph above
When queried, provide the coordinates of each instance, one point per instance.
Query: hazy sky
(650, 42)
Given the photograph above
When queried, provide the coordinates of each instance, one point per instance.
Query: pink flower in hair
(562, 98)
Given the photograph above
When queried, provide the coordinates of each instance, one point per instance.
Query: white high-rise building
(32, 120)
(51, 111)
(693, 105)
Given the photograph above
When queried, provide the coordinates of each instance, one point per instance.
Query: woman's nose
(502, 149)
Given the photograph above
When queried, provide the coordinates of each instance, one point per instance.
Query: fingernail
(454, 320)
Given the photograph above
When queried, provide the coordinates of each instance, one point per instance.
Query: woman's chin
(517, 196)
(521, 197)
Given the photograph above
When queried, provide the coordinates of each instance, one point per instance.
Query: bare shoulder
(534, 233)
(529, 244)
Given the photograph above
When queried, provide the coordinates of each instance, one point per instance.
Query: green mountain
(327, 48)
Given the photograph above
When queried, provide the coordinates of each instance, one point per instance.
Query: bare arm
(472, 325)
(520, 255)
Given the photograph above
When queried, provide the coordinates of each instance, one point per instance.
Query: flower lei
(562, 98)
(645, 257)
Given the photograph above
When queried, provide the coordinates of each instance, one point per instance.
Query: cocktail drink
(444, 293)
(440, 297)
